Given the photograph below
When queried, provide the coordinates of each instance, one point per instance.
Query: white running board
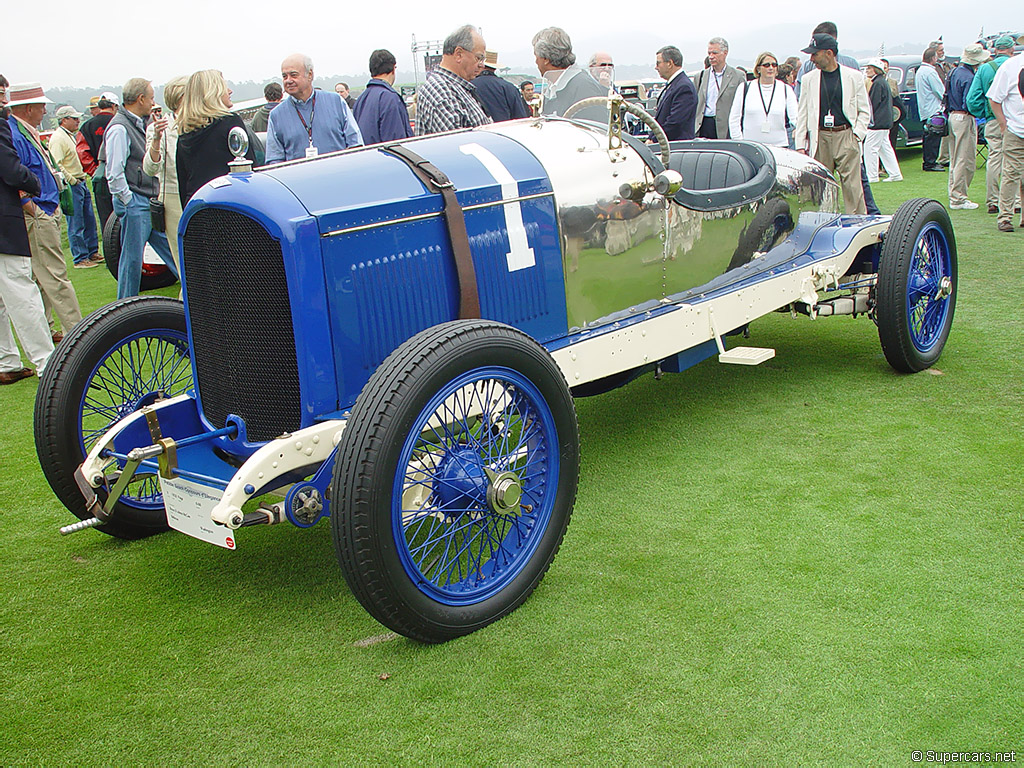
(738, 355)
(746, 355)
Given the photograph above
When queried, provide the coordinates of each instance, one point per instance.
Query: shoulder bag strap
(743, 106)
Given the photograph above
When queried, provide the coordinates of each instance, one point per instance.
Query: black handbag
(937, 125)
(156, 214)
(156, 205)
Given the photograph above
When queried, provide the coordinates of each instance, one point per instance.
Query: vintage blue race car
(393, 337)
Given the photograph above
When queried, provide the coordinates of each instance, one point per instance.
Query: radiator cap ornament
(238, 145)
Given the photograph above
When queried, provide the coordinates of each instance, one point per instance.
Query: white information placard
(188, 506)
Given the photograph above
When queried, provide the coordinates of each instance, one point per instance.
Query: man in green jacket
(978, 106)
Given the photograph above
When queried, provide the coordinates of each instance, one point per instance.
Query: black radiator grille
(241, 323)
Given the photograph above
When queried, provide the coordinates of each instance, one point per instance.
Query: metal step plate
(746, 355)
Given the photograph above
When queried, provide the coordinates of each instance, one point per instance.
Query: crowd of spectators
(130, 153)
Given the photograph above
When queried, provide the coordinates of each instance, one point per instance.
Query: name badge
(829, 121)
(764, 127)
(311, 151)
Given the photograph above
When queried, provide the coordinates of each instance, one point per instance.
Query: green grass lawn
(816, 560)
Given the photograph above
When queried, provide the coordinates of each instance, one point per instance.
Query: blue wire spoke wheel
(120, 358)
(928, 287)
(473, 501)
(144, 367)
(917, 285)
(455, 479)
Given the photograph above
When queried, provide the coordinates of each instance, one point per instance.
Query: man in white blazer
(832, 118)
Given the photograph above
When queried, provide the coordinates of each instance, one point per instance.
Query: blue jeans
(82, 224)
(136, 231)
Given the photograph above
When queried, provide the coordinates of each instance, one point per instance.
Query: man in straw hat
(20, 303)
(501, 99)
(43, 217)
(963, 130)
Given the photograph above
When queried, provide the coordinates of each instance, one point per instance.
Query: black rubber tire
(773, 219)
(368, 456)
(65, 381)
(896, 261)
(112, 258)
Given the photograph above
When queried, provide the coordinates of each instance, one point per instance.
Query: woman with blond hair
(204, 121)
(764, 107)
(160, 160)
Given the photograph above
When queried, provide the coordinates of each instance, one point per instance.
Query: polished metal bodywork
(619, 254)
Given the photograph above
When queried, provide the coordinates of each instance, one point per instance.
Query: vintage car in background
(392, 337)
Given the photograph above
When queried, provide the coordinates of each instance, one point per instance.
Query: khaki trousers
(839, 151)
(50, 269)
(994, 163)
(1012, 182)
(963, 155)
(944, 145)
(21, 306)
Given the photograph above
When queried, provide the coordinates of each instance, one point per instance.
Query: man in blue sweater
(380, 110)
(963, 131)
(308, 122)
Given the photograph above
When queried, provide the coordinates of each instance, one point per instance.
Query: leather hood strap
(436, 180)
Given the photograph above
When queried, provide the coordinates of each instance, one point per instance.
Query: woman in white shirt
(761, 108)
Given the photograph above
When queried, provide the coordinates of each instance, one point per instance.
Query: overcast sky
(107, 42)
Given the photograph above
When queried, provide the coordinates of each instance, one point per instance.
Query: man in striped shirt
(448, 100)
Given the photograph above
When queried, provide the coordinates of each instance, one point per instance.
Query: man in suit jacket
(677, 104)
(716, 87)
(832, 118)
(20, 301)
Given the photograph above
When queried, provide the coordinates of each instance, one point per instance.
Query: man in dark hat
(832, 118)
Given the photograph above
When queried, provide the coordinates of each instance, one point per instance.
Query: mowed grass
(813, 561)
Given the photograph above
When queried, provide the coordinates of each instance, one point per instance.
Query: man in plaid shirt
(448, 100)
